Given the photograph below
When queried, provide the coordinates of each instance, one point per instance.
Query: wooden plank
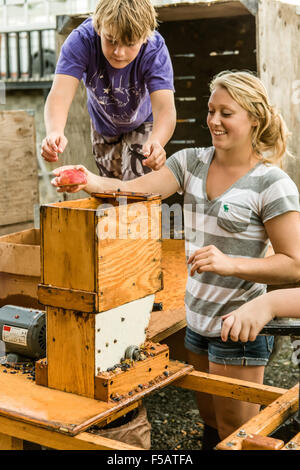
(279, 69)
(265, 422)
(24, 237)
(56, 440)
(10, 443)
(113, 384)
(71, 351)
(20, 259)
(191, 10)
(42, 408)
(19, 167)
(12, 228)
(70, 299)
(68, 247)
(230, 388)
(129, 253)
(257, 442)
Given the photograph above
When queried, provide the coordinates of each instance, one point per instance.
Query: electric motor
(23, 330)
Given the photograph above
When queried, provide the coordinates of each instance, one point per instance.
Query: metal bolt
(242, 433)
(230, 444)
(292, 445)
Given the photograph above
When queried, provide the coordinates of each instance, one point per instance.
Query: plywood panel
(18, 165)
(129, 261)
(68, 248)
(71, 351)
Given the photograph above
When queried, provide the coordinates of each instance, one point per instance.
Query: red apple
(72, 177)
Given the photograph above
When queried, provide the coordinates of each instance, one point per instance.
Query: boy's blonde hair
(126, 20)
(270, 135)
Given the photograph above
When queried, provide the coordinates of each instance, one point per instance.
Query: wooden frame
(281, 403)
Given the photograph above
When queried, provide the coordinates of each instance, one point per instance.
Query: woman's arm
(282, 267)
(246, 322)
(161, 182)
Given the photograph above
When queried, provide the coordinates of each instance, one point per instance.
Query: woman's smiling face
(230, 125)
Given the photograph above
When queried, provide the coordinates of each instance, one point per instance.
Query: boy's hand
(52, 145)
(69, 189)
(155, 155)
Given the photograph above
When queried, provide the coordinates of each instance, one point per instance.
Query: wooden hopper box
(100, 252)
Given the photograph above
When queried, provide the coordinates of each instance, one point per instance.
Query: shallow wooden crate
(20, 268)
(96, 257)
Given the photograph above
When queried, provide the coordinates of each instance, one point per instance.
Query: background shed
(204, 38)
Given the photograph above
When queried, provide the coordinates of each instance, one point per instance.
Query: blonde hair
(127, 20)
(270, 135)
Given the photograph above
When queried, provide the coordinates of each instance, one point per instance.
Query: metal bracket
(251, 5)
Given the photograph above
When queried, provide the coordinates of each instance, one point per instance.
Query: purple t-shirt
(118, 100)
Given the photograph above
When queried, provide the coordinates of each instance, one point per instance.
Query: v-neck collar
(230, 187)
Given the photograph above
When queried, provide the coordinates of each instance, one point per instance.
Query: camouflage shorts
(120, 157)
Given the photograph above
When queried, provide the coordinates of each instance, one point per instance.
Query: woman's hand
(74, 188)
(211, 259)
(245, 323)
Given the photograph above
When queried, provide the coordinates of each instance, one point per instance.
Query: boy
(127, 71)
(245, 323)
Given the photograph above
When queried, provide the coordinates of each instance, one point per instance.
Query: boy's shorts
(251, 353)
(121, 156)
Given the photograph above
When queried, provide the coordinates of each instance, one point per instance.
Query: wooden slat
(71, 351)
(212, 9)
(20, 259)
(230, 388)
(257, 442)
(266, 421)
(70, 299)
(56, 440)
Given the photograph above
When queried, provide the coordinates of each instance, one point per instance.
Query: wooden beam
(265, 422)
(84, 441)
(230, 388)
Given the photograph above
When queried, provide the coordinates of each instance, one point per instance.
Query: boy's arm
(246, 322)
(164, 122)
(56, 113)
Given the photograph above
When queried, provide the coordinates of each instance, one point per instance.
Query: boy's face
(118, 55)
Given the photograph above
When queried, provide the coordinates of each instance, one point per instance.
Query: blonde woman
(127, 71)
(235, 201)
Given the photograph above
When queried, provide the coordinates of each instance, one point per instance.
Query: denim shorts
(251, 353)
